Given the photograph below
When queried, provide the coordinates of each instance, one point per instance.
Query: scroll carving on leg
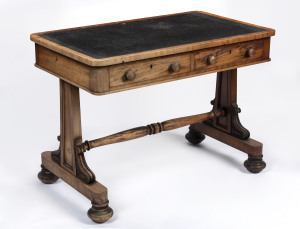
(84, 173)
(226, 98)
(237, 128)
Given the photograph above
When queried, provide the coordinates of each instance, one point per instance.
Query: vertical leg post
(71, 134)
(69, 164)
(226, 98)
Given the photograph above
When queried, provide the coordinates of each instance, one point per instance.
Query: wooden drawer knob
(129, 75)
(211, 59)
(250, 52)
(174, 67)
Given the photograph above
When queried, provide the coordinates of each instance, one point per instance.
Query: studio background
(158, 181)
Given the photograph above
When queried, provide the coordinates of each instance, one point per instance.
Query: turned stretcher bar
(142, 131)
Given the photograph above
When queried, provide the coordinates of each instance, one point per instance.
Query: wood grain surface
(249, 146)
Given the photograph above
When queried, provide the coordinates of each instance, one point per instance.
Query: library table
(120, 56)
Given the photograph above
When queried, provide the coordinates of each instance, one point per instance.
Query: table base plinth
(100, 212)
(253, 148)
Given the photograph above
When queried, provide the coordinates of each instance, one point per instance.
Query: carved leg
(68, 163)
(228, 128)
(46, 176)
(226, 98)
(71, 134)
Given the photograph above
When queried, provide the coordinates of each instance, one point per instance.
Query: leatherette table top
(143, 35)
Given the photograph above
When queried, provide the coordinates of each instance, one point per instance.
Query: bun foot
(100, 213)
(255, 164)
(46, 176)
(194, 137)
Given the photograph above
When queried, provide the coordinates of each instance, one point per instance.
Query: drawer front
(145, 71)
(229, 55)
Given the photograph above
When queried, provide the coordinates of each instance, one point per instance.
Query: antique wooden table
(114, 57)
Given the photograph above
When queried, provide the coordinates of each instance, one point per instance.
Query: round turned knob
(211, 59)
(129, 75)
(250, 52)
(174, 67)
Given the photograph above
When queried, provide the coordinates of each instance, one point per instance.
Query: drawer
(156, 69)
(229, 55)
(121, 77)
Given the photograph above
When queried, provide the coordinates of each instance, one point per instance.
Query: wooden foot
(100, 213)
(46, 176)
(255, 164)
(194, 137)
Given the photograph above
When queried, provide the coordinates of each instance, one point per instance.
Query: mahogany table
(114, 57)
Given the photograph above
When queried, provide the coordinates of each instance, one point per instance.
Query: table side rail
(127, 76)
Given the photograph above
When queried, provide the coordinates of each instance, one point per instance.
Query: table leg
(70, 165)
(228, 128)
